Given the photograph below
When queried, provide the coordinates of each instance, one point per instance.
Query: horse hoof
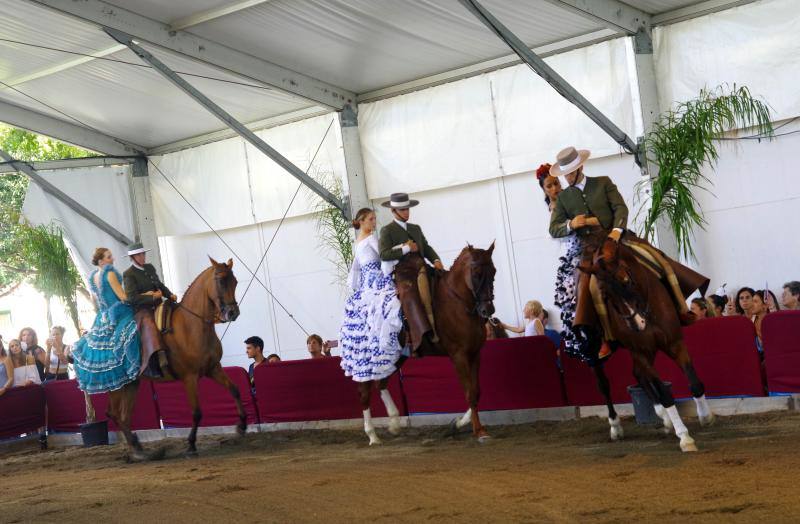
(687, 444)
(484, 439)
(666, 429)
(375, 442)
(136, 456)
(394, 430)
(190, 453)
(616, 432)
(707, 420)
(241, 430)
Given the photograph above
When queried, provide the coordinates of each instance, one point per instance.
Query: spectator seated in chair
(700, 308)
(6, 370)
(552, 334)
(273, 358)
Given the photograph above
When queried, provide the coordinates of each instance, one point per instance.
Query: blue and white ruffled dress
(372, 318)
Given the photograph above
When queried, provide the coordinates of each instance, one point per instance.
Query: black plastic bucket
(95, 434)
(643, 408)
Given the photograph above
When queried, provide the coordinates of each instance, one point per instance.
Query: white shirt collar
(137, 266)
(582, 184)
(402, 224)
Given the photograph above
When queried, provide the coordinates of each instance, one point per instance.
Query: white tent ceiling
(359, 46)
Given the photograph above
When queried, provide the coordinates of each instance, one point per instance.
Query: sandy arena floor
(746, 471)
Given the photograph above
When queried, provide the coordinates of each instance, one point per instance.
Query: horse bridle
(222, 305)
(477, 297)
(627, 316)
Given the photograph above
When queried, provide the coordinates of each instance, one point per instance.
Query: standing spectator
(30, 345)
(700, 308)
(791, 295)
(316, 347)
(23, 365)
(744, 301)
(771, 301)
(273, 358)
(532, 313)
(254, 346)
(6, 370)
(57, 355)
(718, 303)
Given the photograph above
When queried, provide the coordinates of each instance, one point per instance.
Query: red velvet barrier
(581, 384)
(724, 354)
(66, 407)
(216, 402)
(516, 373)
(299, 390)
(780, 333)
(21, 411)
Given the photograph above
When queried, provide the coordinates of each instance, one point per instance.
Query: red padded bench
(314, 389)
(515, 373)
(21, 411)
(581, 384)
(216, 402)
(66, 407)
(724, 355)
(780, 332)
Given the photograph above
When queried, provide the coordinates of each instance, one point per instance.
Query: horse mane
(189, 288)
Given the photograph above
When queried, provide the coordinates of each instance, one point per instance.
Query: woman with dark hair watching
(718, 303)
(30, 345)
(550, 185)
(744, 301)
(758, 311)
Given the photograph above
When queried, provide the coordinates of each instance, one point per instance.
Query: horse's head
(619, 283)
(221, 290)
(479, 277)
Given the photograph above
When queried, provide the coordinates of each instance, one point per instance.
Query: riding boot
(423, 285)
(602, 315)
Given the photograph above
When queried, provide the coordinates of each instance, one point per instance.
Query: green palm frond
(334, 230)
(682, 142)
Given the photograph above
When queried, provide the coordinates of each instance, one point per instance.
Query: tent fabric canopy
(357, 45)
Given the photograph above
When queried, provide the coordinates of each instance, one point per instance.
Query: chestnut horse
(643, 317)
(193, 350)
(462, 302)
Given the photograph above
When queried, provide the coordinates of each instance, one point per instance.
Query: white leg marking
(665, 420)
(687, 442)
(616, 429)
(704, 411)
(465, 419)
(369, 429)
(391, 410)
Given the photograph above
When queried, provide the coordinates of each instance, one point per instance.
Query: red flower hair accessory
(542, 171)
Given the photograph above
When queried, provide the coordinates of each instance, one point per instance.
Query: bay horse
(463, 301)
(644, 319)
(193, 350)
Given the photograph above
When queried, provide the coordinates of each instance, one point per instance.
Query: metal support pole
(142, 210)
(648, 98)
(354, 163)
(49, 188)
(226, 118)
(550, 76)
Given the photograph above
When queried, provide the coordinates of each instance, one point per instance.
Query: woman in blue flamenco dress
(108, 356)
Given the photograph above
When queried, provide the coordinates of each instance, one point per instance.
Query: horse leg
(220, 377)
(467, 367)
(659, 409)
(120, 409)
(365, 392)
(190, 385)
(680, 355)
(660, 393)
(604, 386)
(391, 408)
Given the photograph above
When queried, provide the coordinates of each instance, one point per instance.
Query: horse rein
(216, 316)
(476, 298)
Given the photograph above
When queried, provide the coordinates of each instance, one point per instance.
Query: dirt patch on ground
(745, 471)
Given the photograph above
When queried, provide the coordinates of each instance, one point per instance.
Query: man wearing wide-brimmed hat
(590, 204)
(399, 237)
(145, 291)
